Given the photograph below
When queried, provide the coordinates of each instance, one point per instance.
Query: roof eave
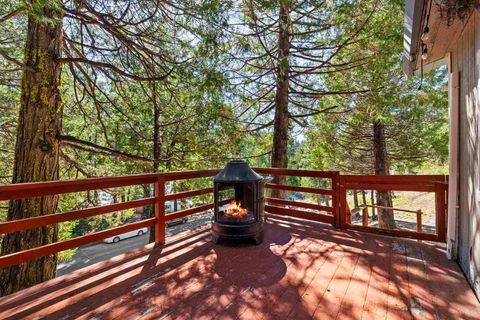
(411, 36)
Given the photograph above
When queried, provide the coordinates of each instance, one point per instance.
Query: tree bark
(385, 216)
(372, 201)
(36, 151)
(281, 120)
(157, 144)
(147, 210)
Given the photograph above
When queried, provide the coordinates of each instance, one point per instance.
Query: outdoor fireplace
(239, 203)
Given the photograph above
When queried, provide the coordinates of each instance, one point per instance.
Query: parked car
(126, 235)
(294, 196)
(175, 222)
(170, 208)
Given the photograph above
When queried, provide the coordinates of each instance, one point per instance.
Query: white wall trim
(453, 107)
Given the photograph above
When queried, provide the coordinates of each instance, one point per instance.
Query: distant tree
(393, 125)
(283, 52)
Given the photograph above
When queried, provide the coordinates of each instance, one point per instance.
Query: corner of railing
(341, 201)
(441, 189)
(336, 199)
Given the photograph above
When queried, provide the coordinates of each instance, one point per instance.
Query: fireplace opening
(239, 203)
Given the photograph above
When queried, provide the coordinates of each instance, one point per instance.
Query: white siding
(466, 60)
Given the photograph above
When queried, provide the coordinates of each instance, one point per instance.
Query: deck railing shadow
(146, 260)
(192, 277)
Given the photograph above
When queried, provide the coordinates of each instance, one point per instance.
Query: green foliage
(416, 121)
(37, 9)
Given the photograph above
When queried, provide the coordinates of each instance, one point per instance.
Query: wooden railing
(321, 213)
(363, 208)
(335, 213)
(437, 184)
(38, 189)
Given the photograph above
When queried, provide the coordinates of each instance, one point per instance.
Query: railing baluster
(419, 221)
(365, 216)
(160, 210)
(342, 202)
(336, 199)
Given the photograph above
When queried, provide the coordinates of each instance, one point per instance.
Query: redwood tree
(281, 118)
(283, 51)
(37, 147)
(92, 40)
(386, 219)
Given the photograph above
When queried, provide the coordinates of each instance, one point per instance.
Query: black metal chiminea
(239, 203)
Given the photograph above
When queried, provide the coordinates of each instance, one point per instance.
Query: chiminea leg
(215, 239)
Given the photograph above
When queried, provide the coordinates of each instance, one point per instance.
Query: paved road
(99, 251)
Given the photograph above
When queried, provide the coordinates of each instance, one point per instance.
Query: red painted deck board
(303, 270)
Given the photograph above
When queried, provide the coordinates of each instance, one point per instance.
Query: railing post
(341, 202)
(365, 216)
(159, 208)
(336, 199)
(348, 218)
(440, 210)
(419, 221)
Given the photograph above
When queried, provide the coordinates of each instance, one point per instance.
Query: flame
(236, 210)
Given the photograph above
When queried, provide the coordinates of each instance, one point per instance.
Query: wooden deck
(302, 270)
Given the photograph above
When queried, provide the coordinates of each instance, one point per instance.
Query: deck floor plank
(354, 300)
(376, 301)
(272, 283)
(303, 270)
(398, 289)
(421, 306)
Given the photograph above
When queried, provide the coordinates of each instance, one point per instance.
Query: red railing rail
(334, 213)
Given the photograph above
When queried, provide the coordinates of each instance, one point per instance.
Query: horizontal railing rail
(299, 189)
(40, 221)
(297, 172)
(39, 189)
(333, 211)
(187, 194)
(300, 204)
(188, 212)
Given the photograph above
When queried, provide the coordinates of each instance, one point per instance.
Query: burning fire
(236, 210)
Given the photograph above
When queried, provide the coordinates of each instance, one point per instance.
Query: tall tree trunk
(157, 144)
(355, 198)
(36, 151)
(385, 216)
(372, 201)
(281, 120)
(364, 197)
(147, 193)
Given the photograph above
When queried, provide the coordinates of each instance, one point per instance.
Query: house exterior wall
(465, 59)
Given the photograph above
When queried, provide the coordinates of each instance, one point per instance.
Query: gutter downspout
(453, 106)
